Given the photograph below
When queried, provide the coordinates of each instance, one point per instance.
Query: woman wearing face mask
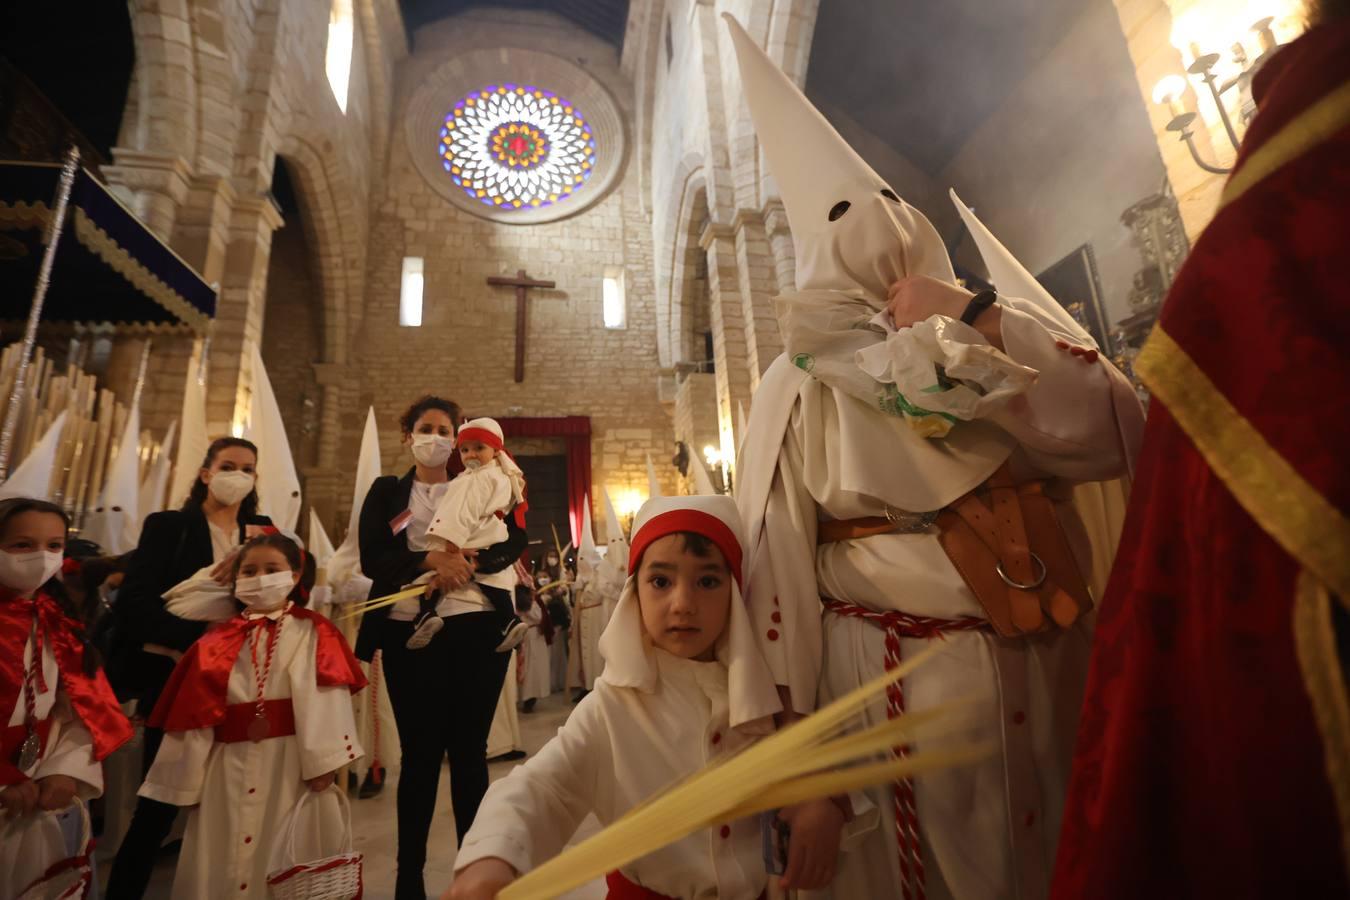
(61, 718)
(220, 512)
(258, 711)
(443, 694)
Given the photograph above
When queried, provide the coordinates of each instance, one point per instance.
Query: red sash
(280, 716)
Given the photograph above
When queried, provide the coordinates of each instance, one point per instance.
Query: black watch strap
(978, 304)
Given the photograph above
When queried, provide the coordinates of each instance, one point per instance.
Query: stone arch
(672, 240)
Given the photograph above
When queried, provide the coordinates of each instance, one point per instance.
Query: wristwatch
(978, 304)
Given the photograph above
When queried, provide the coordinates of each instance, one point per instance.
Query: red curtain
(576, 431)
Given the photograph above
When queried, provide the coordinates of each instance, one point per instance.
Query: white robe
(242, 793)
(504, 735)
(70, 747)
(988, 831)
(466, 516)
(536, 680)
(620, 746)
(589, 618)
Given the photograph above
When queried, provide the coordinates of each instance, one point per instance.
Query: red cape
(1213, 756)
(90, 695)
(195, 695)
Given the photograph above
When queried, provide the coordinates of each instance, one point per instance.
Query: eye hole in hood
(837, 211)
(889, 194)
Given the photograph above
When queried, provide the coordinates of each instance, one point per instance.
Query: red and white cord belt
(899, 625)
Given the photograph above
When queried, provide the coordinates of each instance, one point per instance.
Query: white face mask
(432, 450)
(26, 572)
(264, 593)
(230, 488)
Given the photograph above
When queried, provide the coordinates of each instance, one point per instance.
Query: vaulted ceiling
(922, 75)
(603, 18)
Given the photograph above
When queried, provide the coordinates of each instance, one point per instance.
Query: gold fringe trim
(38, 215)
(1291, 510)
(1324, 679)
(1314, 125)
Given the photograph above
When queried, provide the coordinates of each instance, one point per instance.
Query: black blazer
(387, 561)
(174, 545)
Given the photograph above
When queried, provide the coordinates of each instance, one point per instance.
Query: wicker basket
(330, 878)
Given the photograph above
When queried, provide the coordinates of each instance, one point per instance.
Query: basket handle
(343, 802)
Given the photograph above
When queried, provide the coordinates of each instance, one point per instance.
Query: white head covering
(489, 432)
(1012, 279)
(873, 239)
(616, 554)
(752, 696)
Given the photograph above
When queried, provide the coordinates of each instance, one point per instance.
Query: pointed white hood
(320, 547)
(278, 483)
(703, 485)
(628, 653)
(194, 440)
(156, 482)
(33, 477)
(345, 564)
(873, 239)
(115, 524)
(616, 556)
(1012, 279)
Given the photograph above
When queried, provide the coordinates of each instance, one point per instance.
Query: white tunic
(988, 831)
(584, 662)
(467, 516)
(504, 735)
(241, 793)
(70, 747)
(620, 746)
(536, 680)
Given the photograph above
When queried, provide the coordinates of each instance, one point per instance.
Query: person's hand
(322, 783)
(223, 573)
(470, 557)
(481, 880)
(19, 799)
(813, 848)
(916, 297)
(56, 791)
(451, 570)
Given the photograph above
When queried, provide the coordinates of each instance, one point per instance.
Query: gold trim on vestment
(1293, 512)
(24, 215)
(1324, 680)
(1311, 127)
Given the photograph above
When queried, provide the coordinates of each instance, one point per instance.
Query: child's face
(32, 531)
(265, 561)
(476, 450)
(685, 599)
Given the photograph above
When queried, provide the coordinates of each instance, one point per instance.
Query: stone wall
(465, 346)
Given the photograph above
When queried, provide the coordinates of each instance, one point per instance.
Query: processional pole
(55, 227)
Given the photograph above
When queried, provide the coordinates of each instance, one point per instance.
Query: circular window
(514, 135)
(511, 146)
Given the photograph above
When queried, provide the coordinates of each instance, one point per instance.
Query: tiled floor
(376, 835)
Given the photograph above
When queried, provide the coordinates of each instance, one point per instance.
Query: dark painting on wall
(1073, 282)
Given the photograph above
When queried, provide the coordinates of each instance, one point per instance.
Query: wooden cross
(521, 283)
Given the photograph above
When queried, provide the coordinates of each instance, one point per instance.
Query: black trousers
(444, 696)
(150, 825)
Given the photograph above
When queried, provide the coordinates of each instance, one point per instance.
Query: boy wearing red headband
(471, 516)
(683, 685)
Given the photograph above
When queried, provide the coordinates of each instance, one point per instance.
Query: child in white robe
(470, 517)
(61, 718)
(683, 685)
(257, 711)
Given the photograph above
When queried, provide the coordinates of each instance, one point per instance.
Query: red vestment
(1213, 755)
(195, 694)
(90, 695)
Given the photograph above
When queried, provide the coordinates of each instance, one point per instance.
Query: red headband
(691, 520)
(481, 435)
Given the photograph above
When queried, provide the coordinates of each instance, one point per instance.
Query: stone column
(239, 311)
(322, 481)
(728, 328)
(153, 184)
(758, 284)
(780, 238)
(201, 234)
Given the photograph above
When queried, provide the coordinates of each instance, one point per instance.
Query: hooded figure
(859, 435)
(588, 613)
(654, 718)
